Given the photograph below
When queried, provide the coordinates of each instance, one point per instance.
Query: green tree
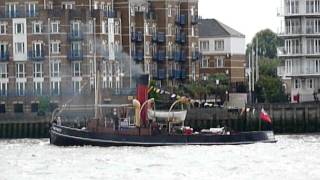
(268, 41)
(269, 88)
(43, 105)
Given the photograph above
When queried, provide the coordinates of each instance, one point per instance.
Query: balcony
(4, 56)
(139, 56)
(176, 74)
(291, 52)
(183, 56)
(137, 36)
(154, 37)
(183, 74)
(75, 36)
(160, 56)
(161, 37)
(194, 19)
(75, 55)
(14, 14)
(170, 55)
(181, 38)
(161, 74)
(110, 13)
(298, 71)
(195, 55)
(181, 20)
(36, 55)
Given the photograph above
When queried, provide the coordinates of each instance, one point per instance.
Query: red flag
(264, 116)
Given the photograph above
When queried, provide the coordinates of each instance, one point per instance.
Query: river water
(292, 157)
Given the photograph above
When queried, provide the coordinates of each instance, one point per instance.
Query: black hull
(65, 136)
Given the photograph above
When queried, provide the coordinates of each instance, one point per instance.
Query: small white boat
(174, 116)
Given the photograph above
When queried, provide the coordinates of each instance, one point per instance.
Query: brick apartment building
(49, 48)
(223, 51)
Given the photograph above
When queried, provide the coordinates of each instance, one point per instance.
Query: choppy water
(293, 157)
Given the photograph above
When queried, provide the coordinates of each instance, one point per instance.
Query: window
(3, 88)
(219, 45)
(18, 108)
(292, 46)
(3, 51)
(204, 62)
(55, 69)
(76, 49)
(49, 5)
(76, 69)
(37, 88)
(11, 10)
(37, 70)
(20, 70)
(55, 27)
(310, 83)
(292, 6)
(288, 66)
(19, 28)
(297, 83)
(37, 27)
(3, 70)
(37, 49)
(20, 88)
(55, 88)
(2, 108)
(220, 62)
(317, 65)
(31, 9)
(204, 46)
(75, 29)
(76, 87)
(67, 5)
(55, 47)
(313, 6)
(19, 48)
(96, 5)
(34, 107)
(3, 28)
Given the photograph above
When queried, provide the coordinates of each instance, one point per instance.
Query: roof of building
(214, 28)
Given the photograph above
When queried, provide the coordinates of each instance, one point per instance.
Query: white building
(301, 52)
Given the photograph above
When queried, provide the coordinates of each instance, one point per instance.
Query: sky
(245, 16)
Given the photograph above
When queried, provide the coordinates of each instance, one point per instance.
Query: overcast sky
(246, 16)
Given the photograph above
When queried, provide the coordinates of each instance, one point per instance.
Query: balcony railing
(137, 36)
(181, 20)
(195, 55)
(75, 36)
(297, 71)
(183, 74)
(160, 56)
(295, 51)
(4, 56)
(161, 74)
(110, 13)
(75, 55)
(154, 37)
(180, 56)
(161, 37)
(37, 55)
(14, 14)
(181, 37)
(139, 56)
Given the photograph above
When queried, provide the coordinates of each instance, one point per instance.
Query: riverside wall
(286, 118)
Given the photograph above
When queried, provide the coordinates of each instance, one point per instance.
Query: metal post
(257, 60)
(96, 95)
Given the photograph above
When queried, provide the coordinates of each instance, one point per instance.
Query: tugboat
(140, 124)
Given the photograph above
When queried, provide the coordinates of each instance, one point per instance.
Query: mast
(96, 93)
